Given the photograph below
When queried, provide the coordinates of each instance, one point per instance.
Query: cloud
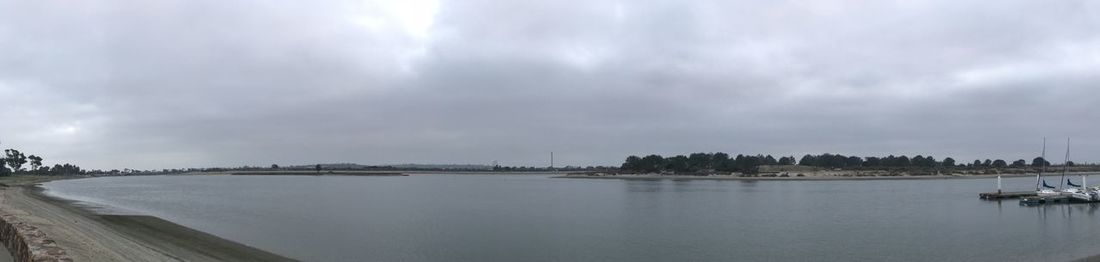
(108, 84)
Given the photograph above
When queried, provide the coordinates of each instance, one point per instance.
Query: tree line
(722, 162)
(698, 162)
(841, 161)
(14, 162)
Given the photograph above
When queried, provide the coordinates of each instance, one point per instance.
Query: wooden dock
(1055, 199)
(1006, 195)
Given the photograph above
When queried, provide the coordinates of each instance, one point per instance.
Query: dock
(1006, 195)
(1054, 199)
(1041, 200)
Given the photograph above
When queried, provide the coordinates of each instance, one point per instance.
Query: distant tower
(551, 160)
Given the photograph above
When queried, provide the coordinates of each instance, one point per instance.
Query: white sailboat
(1084, 193)
(1077, 192)
(1044, 190)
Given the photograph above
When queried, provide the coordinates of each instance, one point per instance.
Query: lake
(538, 218)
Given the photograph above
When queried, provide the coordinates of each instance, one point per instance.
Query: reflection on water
(536, 218)
(1063, 211)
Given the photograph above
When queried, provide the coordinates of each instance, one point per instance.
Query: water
(536, 218)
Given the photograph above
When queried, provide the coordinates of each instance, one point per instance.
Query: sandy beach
(87, 236)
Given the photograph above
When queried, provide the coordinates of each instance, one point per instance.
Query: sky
(201, 83)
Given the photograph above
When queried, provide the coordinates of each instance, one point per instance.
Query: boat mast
(1043, 165)
(1065, 165)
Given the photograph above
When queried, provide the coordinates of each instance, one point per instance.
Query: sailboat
(1077, 192)
(1048, 190)
(1045, 190)
(1082, 193)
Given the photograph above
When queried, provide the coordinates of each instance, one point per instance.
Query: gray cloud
(109, 84)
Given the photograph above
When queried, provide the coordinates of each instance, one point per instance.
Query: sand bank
(87, 236)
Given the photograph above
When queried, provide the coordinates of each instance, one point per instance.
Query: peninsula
(721, 166)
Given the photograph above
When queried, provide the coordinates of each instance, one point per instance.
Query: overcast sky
(166, 84)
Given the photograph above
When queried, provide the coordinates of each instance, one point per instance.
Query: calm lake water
(536, 218)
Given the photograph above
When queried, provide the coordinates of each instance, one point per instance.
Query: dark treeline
(14, 162)
(722, 162)
(701, 162)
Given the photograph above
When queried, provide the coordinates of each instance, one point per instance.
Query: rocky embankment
(26, 243)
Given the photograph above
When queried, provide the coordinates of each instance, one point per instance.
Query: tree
(769, 160)
(748, 164)
(632, 163)
(1070, 163)
(929, 161)
(36, 161)
(1039, 161)
(918, 160)
(65, 170)
(1018, 163)
(808, 160)
(999, 163)
(15, 159)
(831, 160)
(318, 168)
(721, 162)
(678, 164)
(949, 162)
(786, 161)
(903, 161)
(987, 163)
(652, 163)
(872, 161)
(274, 166)
(854, 161)
(699, 161)
(4, 171)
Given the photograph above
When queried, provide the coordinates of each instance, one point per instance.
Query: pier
(1041, 200)
(1063, 198)
(1006, 195)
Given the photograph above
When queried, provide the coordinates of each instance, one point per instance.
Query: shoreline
(88, 236)
(312, 173)
(807, 178)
